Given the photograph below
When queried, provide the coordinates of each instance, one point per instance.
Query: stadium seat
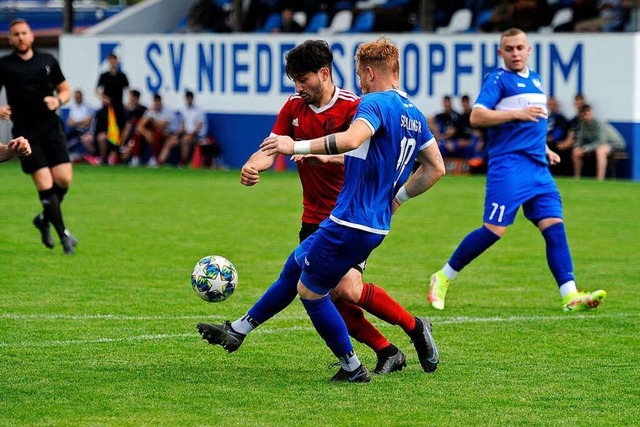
(272, 22)
(364, 22)
(301, 18)
(317, 21)
(341, 23)
(459, 23)
(562, 16)
(369, 4)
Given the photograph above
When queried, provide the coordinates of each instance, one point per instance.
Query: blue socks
(471, 247)
(279, 295)
(558, 253)
(330, 326)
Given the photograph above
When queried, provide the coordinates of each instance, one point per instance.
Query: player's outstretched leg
(425, 345)
(583, 301)
(223, 335)
(45, 231)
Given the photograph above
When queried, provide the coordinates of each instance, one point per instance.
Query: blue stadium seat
(317, 21)
(364, 22)
(272, 22)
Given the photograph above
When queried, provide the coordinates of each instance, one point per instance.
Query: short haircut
(510, 33)
(135, 93)
(310, 56)
(380, 54)
(188, 94)
(157, 97)
(112, 56)
(585, 108)
(16, 21)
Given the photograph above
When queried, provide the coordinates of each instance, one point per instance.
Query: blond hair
(381, 54)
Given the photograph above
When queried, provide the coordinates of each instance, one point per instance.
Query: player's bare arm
(483, 117)
(318, 159)
(258, 162)
(335, 143)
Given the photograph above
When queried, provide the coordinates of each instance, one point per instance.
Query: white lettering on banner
(246, 73)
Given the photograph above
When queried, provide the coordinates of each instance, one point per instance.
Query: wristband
(402, 195)
(302, 147)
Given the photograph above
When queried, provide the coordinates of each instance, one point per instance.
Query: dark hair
(188, 94)
(310, 56)
(112, 55)
(135, 93)
(465, 98)
(585, 108)
(157, 97)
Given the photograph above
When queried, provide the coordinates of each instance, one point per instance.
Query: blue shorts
(515, 180)
(328, 254)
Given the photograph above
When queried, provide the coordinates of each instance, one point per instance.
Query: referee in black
(36, 88)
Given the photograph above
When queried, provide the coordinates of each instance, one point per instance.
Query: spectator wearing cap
(192, 130)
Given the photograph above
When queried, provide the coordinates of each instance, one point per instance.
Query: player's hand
(280, 144)
(553, 157)
(532, 114)
(249, 175)
(309, 159)
(52, 102)
(5, 112)
(19, 147)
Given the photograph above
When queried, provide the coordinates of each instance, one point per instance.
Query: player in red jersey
(318, 108)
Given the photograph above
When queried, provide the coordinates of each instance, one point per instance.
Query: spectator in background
(130, 146)
(155, 126)
(192, 130)
(570, 138)
(558, 128)
(598, 137)
(80, 141)
(582, 10)
(530, 15)
(443, 126)
(610, 18)
(288, 24)
(207, 16)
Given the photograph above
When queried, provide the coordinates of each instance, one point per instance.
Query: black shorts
(308, 229)
(48, 144)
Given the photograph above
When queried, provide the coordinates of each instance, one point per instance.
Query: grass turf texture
(107, 336)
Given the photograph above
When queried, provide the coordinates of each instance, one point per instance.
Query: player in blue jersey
(387, 134)
(512, 106)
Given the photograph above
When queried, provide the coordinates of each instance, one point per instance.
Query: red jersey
(320, 183)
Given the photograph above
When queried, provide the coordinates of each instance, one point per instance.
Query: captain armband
(330, 145)
(402, 195)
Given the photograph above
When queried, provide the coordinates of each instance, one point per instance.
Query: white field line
(436, 321)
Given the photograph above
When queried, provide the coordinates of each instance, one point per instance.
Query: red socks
(377, 301)
(359, 327)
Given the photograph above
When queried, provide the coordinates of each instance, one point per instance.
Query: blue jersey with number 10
(381, 165)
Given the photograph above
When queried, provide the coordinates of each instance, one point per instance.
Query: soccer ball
(214, 278)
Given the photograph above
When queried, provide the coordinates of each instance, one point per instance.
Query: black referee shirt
(27, 83)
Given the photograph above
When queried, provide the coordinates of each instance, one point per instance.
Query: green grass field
(107, 337)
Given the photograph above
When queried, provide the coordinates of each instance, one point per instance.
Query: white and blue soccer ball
(214, 278)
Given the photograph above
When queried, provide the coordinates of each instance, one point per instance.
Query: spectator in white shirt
(193, 129)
